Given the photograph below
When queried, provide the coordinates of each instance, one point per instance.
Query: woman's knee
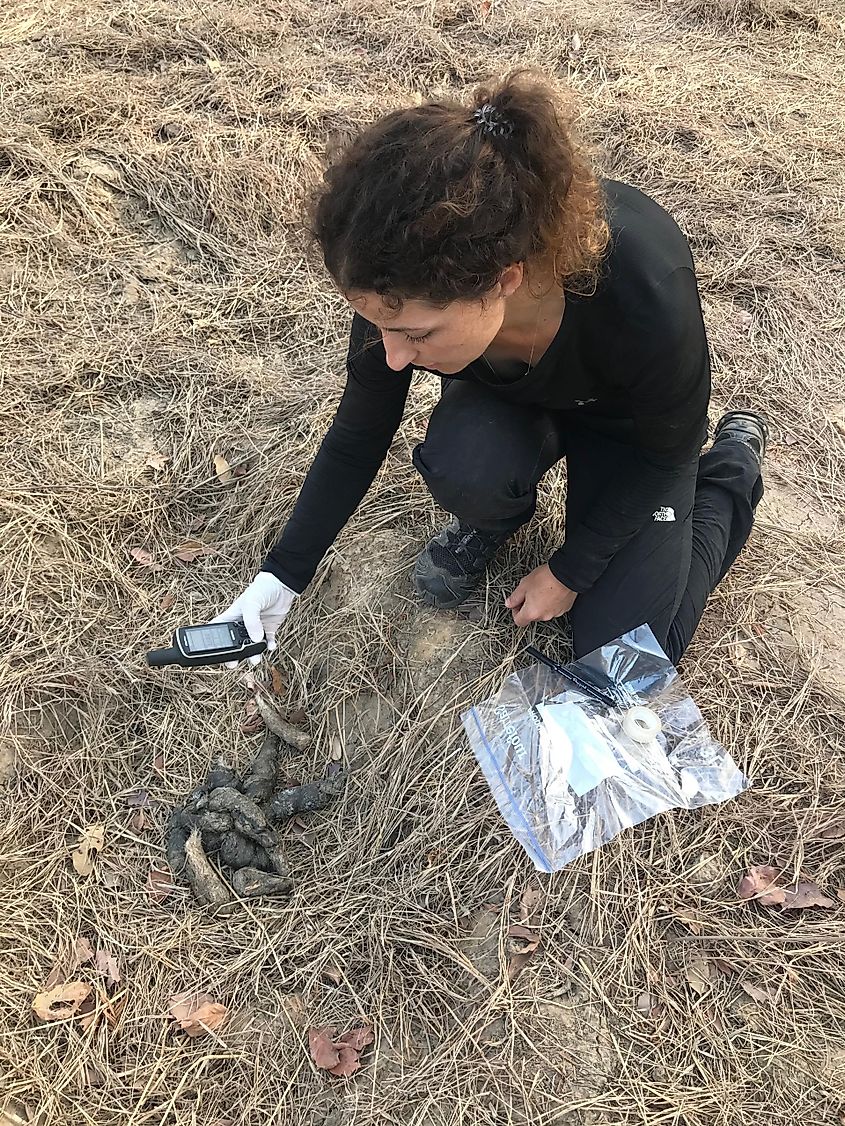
(475, 488)
(482, 458)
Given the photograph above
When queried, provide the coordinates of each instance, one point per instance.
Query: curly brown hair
(426, 203)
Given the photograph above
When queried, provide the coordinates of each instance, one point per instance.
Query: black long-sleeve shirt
(630, 359)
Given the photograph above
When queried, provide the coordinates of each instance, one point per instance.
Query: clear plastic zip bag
(575, 754)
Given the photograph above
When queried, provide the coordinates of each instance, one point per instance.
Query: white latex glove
(262, 608)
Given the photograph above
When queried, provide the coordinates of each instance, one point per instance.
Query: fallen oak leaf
(222, 469)
(15, 1113)
(159, 885)
(138, 821)
(760, 884)
(300, 829)
(339, 1055)
(191, 550)
(88, 1012)
(105, 963)
(197, 1013)
(83, 952)
(168, 602)
(522, 949)
(62, 1002)
(251, 721)
(142, 555)
(348, 1062)
(138, 799)
(806, 893)
(756, 992)
(358, 1038)
(528, 937)
(321, 1045)
(529, 902)
(700, 975)
(54, 977)
(88, 848)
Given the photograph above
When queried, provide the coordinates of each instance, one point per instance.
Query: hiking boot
(746, 427)
(453, 563)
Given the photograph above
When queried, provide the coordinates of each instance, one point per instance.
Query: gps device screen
(201, 639)
(213, 643)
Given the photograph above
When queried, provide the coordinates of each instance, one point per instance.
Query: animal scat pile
(237, 822)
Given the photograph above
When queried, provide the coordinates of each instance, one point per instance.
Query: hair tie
(493, 121)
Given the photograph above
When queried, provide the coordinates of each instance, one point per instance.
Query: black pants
(482, 459)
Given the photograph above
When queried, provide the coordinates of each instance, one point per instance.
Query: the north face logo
(664, 516)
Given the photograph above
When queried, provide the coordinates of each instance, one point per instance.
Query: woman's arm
(348, 460)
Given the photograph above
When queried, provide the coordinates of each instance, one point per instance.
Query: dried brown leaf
(159, 884)
(527, 940)
(168, 602)
(806, 893)
(83, 952)
(348, 1062)
(105, 963)
(158, 763)
(332, 973)
(700, 975)
(298, 717)
(758, 993)
(87, 1014)
(277, 681)
(191, 550)
(358, 1038)
(138, 799)
(222, 469)
(87, 849)
(303, 832)
(251, 721)
(54, 977)
(760, 884)
(142, 555)
(61, 1002)
(529, 903)
(138, 821)
(197, 1013)
(517, 964)
(321, 1044)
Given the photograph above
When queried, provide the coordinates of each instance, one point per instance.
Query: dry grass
(156, 300)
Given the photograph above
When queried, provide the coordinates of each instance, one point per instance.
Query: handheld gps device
(211, 644)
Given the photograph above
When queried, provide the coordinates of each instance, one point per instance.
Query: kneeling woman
(562, 313)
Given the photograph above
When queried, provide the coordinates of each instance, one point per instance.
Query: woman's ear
(511, 278)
